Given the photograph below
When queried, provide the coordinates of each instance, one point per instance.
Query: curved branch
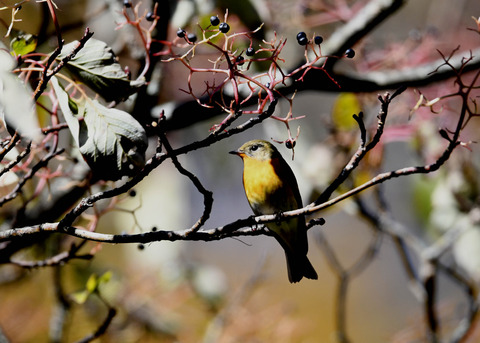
(368, 18)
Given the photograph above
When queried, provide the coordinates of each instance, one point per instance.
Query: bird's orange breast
(262, 183)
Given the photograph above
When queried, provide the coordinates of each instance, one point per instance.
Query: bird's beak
(237, 152)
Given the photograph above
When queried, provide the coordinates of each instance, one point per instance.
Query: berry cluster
(245, 84)
(214, 21)
(303, 40)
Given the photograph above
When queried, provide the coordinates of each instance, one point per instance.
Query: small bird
(271, 188)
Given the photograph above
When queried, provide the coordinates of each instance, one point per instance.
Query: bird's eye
(254, 148)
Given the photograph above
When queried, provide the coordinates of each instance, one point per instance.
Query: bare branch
(367, 19)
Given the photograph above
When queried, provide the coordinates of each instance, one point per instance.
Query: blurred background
(236, 289)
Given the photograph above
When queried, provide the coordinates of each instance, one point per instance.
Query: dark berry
(224, 27)
(302, 41)
(349, 53)
(150, 16)
(132, 193)
(318, 40)
(214, 20)
(250, 51)
(301, 35)
(181, 33)
(240, 60)
(127, 3)
(192, 37)
(141, 246)
(154, 229)
(290, 144)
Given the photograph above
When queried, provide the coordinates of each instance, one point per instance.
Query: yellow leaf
(345, 106)
(92, 283)
(80, 297)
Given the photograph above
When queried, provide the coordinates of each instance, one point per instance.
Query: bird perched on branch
(271, 188)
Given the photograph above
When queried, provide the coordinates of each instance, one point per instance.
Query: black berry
(181, 33)
(349, 53)
(132, 193)
(301, 35)
(150, 16)
(224, 27)
(141, 246)
(290, 144)
(214, 20)
(127, 3)
(302, 41)
(250, 51)
(318, 40)
(240, 60)
(192, 37)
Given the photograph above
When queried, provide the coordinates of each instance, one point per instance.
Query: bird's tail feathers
(299, 266)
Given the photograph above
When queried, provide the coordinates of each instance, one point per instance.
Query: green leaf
(105, 277)
(423, 188)
(96, 66)
(23, 44)
(16, 103)
(112, 142)
(346, 105)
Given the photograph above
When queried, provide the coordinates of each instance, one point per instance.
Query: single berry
(141, 246)
(301, 35)
(318, 40)
(240, 60)
(127, 3)
(150, 16)
(192, 37)
(267, 85)
(132, 193)
(290, 144)
(349, 53)
(224, 27)
(181, 33)
(154, 229)
(302, 41)
(250, 51)
(214, 20)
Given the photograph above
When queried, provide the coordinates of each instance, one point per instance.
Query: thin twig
(48, 74)
(207, 195)
(30, 174)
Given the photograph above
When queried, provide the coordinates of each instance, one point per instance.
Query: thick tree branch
(191, 112)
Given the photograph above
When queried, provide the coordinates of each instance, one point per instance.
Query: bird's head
(257, 149)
